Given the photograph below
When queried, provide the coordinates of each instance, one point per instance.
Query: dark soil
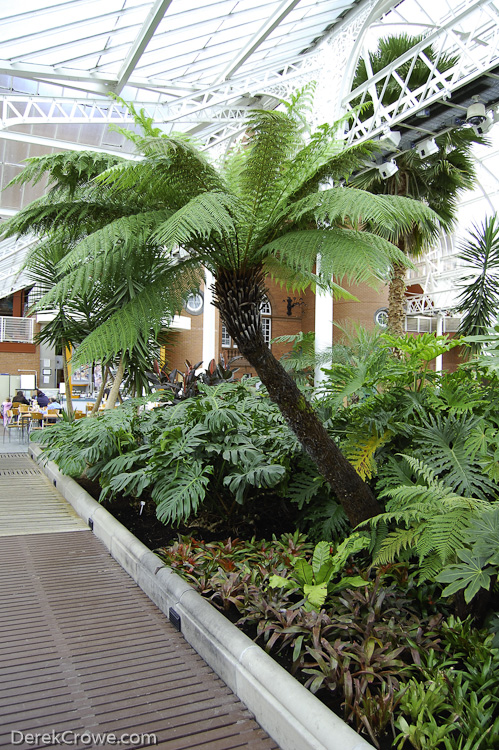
(268, 517)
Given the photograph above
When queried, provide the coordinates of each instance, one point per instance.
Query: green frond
(387, 215)
(283, 271)
(273, 138)
(125, 235)
(69, 169)
(395, 543)
(141, 317)
(346, 253)
(205, 216)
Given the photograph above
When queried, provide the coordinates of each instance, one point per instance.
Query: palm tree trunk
(238, 297)
(67, 383)
(100, 393)
(113, 395)
(397, 301)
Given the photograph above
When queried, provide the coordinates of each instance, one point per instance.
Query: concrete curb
(289, 713)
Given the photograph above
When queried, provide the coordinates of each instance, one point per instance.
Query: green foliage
(315, 578)
(429, 519)
(479, 558)
(219, 453)
(479, 295)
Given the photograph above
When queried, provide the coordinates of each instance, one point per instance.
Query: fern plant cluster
(427, 442)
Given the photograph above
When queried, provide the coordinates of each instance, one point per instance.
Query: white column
(209, 318)
(323, 327)
(440, 331)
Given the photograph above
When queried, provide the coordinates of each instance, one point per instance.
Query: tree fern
(361, 451)
(429, 518)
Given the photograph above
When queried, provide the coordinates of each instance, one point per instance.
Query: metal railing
(16, 330)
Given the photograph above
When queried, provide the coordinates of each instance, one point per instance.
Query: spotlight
(483, 127)
(389, 140)
(426, 148)
(388, 169)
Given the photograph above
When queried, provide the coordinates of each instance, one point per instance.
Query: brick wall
(362, 312)
(14, 363)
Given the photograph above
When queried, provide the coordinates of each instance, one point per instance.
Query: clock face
(381, 317)
(194, 303)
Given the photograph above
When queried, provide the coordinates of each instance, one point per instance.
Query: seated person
(42, 399)
(19, 398)
(6, 405)
(54, 404)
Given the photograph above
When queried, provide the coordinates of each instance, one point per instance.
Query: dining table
(26, 418)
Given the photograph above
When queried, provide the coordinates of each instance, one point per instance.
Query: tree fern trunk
(238, 296)
(396, 301)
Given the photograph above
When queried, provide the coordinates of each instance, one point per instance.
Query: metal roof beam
(145, 35)
(265, 30)
(56, 75)
(8, 135)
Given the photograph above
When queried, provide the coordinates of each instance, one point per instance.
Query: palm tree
(437, 180)
(479, 298)
(70, 211)
(262, 213)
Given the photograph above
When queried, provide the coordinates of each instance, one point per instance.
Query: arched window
(266, 313)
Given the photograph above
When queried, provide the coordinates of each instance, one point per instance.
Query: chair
(52, 416)
(35, 421)
(11, 425)
(79, 414)
(23, 421)
(23, 408)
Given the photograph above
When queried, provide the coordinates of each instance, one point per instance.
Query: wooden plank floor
(29, 503)
(83, 650)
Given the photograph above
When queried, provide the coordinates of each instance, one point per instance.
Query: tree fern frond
(143, 314)
(357, 256)
(127, 233)
(388, 216)
(361, 452)
(273, 139)
(206, 215)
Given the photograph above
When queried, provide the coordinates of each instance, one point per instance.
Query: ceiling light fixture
(426, 148)
(388, 169)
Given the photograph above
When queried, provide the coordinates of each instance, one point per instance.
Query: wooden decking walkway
(83, 651)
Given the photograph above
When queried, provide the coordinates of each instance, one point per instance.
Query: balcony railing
(16, 330)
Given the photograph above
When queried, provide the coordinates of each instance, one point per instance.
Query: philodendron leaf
(470, 576)
(315, 594)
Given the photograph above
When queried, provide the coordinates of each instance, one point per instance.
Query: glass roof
(156, 44)
(198, 64)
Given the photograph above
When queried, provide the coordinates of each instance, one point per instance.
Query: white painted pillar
(323, 325)
(209, 318)
(440, 331)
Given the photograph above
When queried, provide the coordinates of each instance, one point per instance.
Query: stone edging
(289, 713)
